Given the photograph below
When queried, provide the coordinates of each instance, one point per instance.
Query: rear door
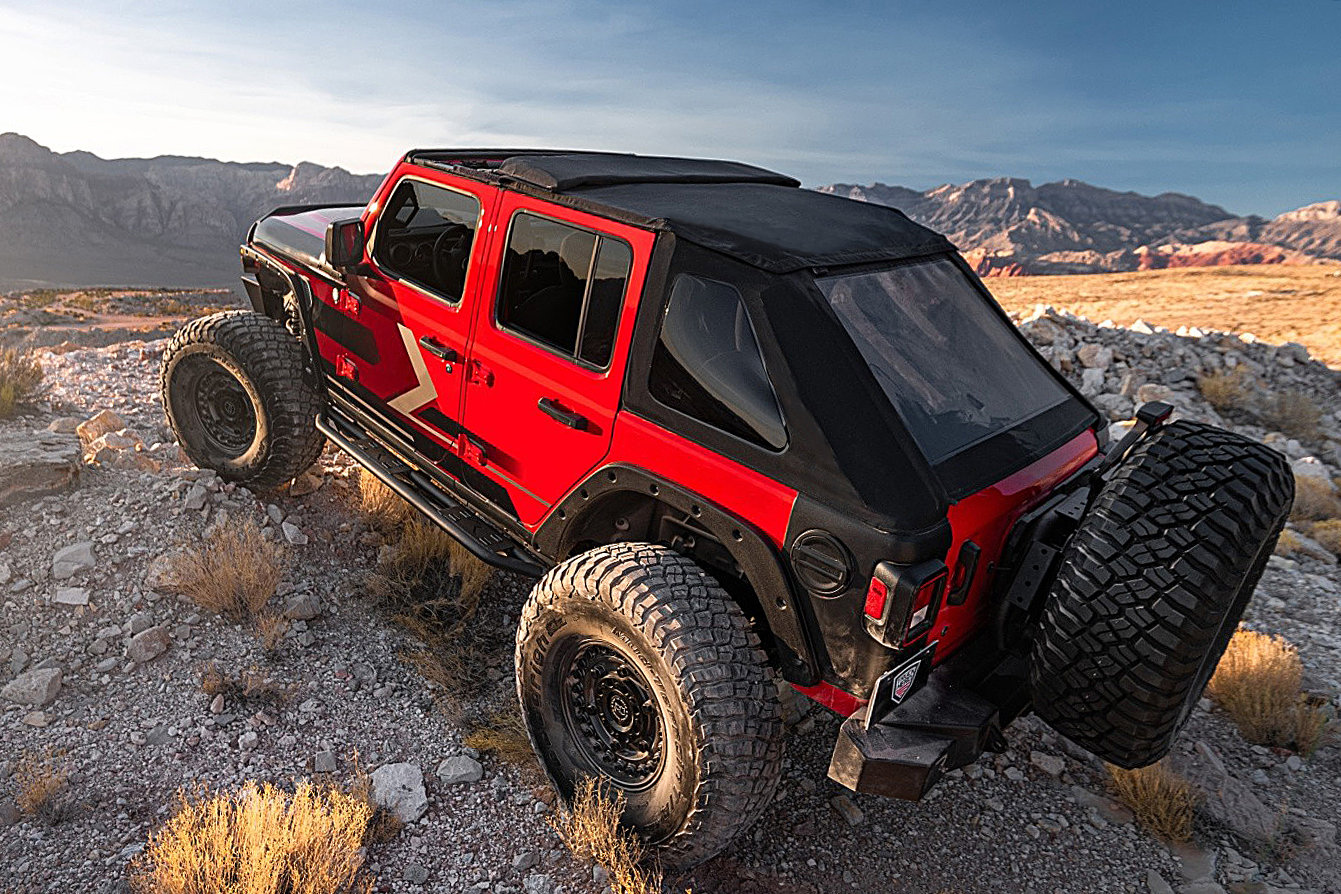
(428, 248)
(548, 357)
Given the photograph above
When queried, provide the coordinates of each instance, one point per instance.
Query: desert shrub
(270, 630)
(42, 787)
(1328, 533)
(1258, 684)
(1291, 412)
(380, 506)
(234, 571)
(20, 376)
(591, 829)
(1161, 800)
(1314, 500)
(251, 686)
(432, 586)
(259, 840)
(1288, 543)
(503, 734)
(1226, 391)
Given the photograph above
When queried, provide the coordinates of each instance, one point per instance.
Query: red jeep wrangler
(741, 431)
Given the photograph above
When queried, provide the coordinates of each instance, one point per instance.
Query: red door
(547, 361)
(428, 245)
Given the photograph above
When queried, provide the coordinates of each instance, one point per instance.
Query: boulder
(37, 687)
(104, 422)
(147, 645)
(72, 559)
(399, 788)
(36, 464)
(461, 768)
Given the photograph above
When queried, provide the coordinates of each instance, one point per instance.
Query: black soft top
(752, 214)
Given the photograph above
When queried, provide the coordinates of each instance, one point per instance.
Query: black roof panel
(774, 228)
(562, 173)
(750, 213)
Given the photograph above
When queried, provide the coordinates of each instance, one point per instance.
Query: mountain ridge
(76, 219)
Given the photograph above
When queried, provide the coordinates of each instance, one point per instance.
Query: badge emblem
(905, 680)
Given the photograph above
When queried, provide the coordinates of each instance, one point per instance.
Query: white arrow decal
(422, 393)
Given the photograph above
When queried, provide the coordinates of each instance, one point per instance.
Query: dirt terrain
(1272, 302)
(98, 317)
(80, 584)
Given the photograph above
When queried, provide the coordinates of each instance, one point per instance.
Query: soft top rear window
(946, 359)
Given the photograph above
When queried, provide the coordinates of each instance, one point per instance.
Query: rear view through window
(946, 360)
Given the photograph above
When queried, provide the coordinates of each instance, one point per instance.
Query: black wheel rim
(224, 409)
(612, 715)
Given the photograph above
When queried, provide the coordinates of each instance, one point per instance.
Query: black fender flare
(788, 621)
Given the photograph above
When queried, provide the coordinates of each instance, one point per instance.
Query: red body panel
(986, 518)
(512, 375)
(739, 490)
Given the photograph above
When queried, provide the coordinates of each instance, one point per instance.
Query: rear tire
(636, 668)
(238, 399)
(1152, 587)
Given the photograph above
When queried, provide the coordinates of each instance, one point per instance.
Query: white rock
(195, 497)
(1311, 467)
(71, 596)
(293, 534)
(461, 768)
(1153, 391)
(147, 645)
(72, 559)
(36, 687)
(302, 607)
(399, 788)
(1092, 381)
(1095, 356)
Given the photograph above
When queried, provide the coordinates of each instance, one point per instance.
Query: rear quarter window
(707, 363)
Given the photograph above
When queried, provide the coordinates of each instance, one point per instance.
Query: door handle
(438, 349)
(551, 408)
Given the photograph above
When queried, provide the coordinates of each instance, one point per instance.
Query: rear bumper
(959, 713)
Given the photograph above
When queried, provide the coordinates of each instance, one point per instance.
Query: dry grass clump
(1314, 500)
(432, 585)
(1162, 801)
(1227, 391)
(20, 374)
(270, 630)
(1258, 684)
(252, 686)
(1287, 544)
(1292, 412)
(380, 506)
(42, 787)
(233, 572)
(591, 829)
(503, 735)
(259, 840)
(1328, 533)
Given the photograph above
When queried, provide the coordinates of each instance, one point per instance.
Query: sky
(1233, 102)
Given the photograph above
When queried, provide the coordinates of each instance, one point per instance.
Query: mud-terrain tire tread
(273, 359)
(1152, 586)
(721, 671)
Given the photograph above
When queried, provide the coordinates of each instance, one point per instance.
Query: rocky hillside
(77, 219)
(1008, 226)
(104, 671)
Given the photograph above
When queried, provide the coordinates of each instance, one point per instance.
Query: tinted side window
(424, 235)
(707, 363)
(563, 287)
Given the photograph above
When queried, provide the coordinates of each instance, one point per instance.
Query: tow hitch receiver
(945, 724)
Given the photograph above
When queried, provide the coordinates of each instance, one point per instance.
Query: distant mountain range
(1007, 226)
(76, 219)
(73, 219)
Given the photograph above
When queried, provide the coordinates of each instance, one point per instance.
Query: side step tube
(429, 499)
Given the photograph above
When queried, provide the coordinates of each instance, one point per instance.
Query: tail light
(902, 601)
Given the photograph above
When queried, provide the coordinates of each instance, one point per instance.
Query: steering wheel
(450, 251)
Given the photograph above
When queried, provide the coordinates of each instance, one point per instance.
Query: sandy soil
(1274, 303)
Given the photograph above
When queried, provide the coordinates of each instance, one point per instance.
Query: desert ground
(155, 694)
(1274, 302)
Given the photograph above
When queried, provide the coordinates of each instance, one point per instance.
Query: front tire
(636, 668)
(239, 400)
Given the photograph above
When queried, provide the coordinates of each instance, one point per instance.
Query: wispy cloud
(911, 93)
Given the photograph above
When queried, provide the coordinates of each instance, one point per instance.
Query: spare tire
(1152, 586)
